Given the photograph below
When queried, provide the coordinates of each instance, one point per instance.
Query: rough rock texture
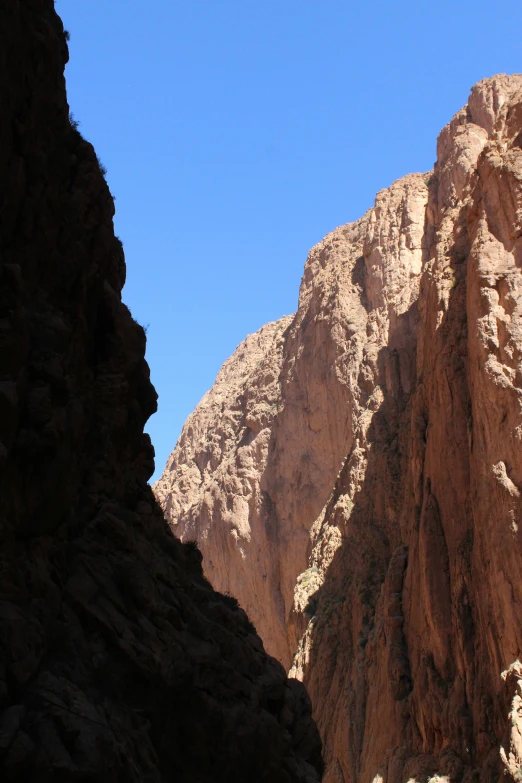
(118, 661)
(212, 491)
(393, 477)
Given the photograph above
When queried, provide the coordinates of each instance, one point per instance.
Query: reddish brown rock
(213, 490)
(118, 661)
(393, 472)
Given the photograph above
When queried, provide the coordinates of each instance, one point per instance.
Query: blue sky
(237, 133)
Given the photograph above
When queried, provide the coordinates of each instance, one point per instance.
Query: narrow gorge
(354, 476)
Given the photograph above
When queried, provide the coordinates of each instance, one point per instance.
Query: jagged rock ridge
(118, 661)
(387, 478)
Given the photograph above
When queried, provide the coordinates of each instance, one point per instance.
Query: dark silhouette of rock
(118, 661)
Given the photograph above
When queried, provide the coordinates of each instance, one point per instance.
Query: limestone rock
(391, 483)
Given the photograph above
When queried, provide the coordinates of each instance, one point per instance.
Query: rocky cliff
(118, 661)
(355, 475)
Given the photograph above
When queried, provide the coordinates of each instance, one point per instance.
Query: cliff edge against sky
(118, 661)
(354, 477)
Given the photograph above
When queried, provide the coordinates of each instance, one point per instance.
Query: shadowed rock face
(383, 490)
(118, 661)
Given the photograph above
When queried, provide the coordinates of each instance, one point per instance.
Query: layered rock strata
(387, 478)
(118, 661)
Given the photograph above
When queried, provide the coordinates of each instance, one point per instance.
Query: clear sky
(237, 133)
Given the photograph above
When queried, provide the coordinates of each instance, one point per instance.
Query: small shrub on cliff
(103, 169)
(193, 554)
(67, 35)
(233, 603)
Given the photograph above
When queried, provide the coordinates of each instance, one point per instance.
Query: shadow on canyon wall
(399, 680)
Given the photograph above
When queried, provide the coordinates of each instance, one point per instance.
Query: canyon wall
(355, 475)
(118, 661)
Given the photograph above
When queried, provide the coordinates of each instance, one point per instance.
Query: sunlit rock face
(355, 475)
(118, 661)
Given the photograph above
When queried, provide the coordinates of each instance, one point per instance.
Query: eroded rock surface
(391, 484)
(118, 661)
(213, 491)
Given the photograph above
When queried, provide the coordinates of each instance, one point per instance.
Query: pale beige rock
(392, 472)
(511, 755)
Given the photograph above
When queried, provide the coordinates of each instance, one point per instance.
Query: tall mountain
(118, 661)
(354, 477)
